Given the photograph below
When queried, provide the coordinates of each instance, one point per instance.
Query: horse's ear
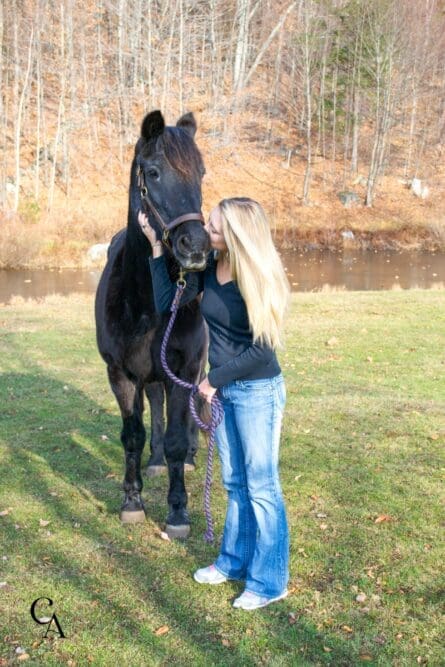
(187, 122)
(152, 126)
(137, 149)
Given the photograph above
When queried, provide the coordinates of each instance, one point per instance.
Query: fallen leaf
(369, 359)
(332, 341)
(164, 536)
(292, 618)
(44, 523)
(323, 526)
(4, 513)
(23, 657)
(365, 657)
(225, 642)
(434, 436)
(110, 475)
(5, 586)
(162, 630)
(361, 597)
(382, 518)
(104, 437)
(346, 628)
(326, 649)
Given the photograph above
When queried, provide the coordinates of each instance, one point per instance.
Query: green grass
(363, 438)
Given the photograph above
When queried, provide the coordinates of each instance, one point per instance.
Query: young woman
(245, 294)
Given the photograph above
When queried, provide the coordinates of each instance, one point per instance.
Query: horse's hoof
(155, 471)
(177, 532)
(189, 467)
(135, 516)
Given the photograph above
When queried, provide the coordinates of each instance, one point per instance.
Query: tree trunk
(18, 122)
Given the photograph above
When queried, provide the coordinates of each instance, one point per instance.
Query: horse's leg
(192, 432)
(175, 446)
(192, 429)
(130, 400)
(155, 395)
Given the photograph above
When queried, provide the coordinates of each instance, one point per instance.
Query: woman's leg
(240, 525)
(258, 409)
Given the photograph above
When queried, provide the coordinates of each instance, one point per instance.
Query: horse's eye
(153, 173)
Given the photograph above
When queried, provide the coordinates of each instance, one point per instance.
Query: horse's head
(169, 170)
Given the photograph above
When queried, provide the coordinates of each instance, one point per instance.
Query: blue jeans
(255, 545)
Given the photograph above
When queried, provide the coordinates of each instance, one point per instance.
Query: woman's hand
(147, 229)
(206, 390)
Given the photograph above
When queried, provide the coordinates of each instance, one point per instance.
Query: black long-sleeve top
(232, 353)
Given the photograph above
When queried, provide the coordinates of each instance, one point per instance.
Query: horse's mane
(180, 152)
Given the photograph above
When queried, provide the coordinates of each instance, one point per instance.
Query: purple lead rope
(216, 406)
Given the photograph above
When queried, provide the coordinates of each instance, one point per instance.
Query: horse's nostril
(185, 243)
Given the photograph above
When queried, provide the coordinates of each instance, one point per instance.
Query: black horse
(166, 175)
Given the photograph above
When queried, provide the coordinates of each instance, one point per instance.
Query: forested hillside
(296, 103)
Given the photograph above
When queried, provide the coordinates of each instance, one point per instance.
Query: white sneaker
(209, 575)
(250, 601)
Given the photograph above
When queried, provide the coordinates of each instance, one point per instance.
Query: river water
(313, 270)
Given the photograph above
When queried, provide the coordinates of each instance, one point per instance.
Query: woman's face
(214, 230)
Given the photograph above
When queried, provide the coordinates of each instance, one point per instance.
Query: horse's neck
(136, 260)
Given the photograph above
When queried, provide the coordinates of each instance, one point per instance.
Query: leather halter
(166, 227)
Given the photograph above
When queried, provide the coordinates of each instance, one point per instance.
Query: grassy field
(362, 471)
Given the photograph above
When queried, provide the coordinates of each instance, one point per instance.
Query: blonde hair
(256, 267)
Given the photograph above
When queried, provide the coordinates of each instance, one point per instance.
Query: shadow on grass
(53, 433)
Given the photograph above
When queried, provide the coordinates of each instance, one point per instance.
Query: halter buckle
(181, 282)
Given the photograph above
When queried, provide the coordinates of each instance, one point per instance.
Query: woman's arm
(164, 289)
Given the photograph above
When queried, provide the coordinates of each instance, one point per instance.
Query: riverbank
(361, 462)
(96, 208)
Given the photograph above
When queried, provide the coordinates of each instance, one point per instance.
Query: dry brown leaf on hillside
(382, 518)
(162, 630)
(44, 522)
